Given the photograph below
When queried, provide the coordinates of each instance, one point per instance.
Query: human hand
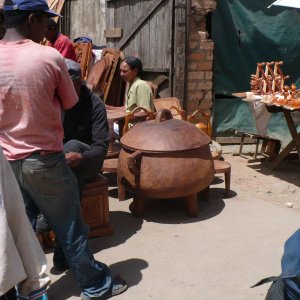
(73, 159)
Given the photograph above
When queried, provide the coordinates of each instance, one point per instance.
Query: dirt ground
(233, 243)
(281, 187)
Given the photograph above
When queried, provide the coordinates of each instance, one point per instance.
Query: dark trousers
(87, 170)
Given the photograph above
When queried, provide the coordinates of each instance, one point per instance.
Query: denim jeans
(49, 186)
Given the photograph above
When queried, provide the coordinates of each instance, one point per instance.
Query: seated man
(22, 260)
(138, 92)
(59, 41)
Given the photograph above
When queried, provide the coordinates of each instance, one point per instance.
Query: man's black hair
(16, 18)
(134, 63)
(52, 24)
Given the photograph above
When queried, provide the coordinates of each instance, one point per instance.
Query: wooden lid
(164, 134)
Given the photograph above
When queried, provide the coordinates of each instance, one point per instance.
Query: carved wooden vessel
(165, 158)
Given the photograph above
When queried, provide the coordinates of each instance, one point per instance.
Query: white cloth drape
(22, 259)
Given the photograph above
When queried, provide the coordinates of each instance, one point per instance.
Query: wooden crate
(95, 207)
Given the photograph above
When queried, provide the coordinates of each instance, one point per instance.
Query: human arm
(100, 135)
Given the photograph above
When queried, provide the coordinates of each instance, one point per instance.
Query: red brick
(197, 56)
(193, 44)
(208, 96)
(205, 105)
(205, 66)
(192, 86)
(210, 55)
(196, 96)
(192, 66)
(208, 44)
(204, 85)
(208, 75)
(196, 75)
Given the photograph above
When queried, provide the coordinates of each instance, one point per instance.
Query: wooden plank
(233, 140)
(180, 41)
(156, 70)
(148, 11)
(113, 33)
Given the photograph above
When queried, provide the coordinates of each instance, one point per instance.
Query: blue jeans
(49, 186)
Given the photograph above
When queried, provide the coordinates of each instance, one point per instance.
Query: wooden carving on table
(268, 78)
(83, 55)
(289, 97)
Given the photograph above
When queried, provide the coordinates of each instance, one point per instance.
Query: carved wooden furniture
(110, 164)
(224, 167)
(153, 88)
(83, 55)
(94, 209)
(139, 114)
(164, 158)
(172, 104)
(201, 119)
(112, 84)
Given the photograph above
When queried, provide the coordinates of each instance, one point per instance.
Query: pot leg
(121, 191)
(192, 205)
(204, 194)
(138, 206)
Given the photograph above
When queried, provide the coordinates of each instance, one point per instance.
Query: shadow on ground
(288, 170)
(131, 267)
(124, 225)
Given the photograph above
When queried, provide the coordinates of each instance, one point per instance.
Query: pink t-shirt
(34, 87)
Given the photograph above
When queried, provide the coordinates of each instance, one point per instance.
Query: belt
(44, 153)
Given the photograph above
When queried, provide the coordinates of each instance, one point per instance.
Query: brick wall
(200, 58)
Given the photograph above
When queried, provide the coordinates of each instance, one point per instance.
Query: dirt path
(281, 187)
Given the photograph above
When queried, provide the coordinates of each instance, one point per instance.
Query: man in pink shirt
(59, 41)
(34, 88)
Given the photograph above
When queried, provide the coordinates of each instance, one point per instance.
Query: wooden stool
(95, 207)
(224, 167)
(110, 165)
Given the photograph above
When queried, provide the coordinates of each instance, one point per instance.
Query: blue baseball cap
(24, 5)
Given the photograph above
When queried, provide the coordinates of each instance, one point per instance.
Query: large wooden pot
(165, 158)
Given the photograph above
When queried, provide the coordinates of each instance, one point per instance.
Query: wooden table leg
(293, 130)
(294, 143)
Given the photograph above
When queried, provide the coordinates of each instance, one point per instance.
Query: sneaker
(35, 295)
(60, 263)
(118, 287)
(42, 225)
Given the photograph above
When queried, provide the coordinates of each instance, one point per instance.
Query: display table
(295, 142)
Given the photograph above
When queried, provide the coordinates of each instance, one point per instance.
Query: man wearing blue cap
(34, 87)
